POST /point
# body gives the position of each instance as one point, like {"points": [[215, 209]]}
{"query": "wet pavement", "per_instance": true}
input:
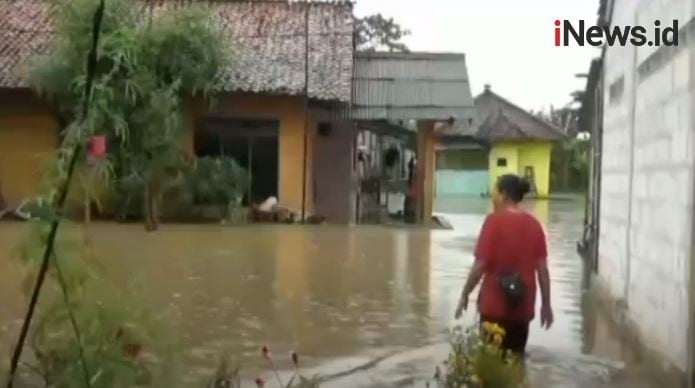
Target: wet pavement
{"points": [[364, 306]]}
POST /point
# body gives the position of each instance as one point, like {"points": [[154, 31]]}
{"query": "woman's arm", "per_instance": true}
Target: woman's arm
{"points": [[547, 317], [544, 280], [474, 277], [483, 252]]}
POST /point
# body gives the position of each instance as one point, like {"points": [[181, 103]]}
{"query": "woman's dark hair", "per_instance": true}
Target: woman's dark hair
{"points": [[513, 186]]}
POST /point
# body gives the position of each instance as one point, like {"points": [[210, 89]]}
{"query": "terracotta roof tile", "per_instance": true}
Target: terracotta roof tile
{"points": [[503, 120], [24, 32], [268, 39]]}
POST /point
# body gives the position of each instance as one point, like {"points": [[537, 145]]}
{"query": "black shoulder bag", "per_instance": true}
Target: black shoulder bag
{"points": [[513, 288]]}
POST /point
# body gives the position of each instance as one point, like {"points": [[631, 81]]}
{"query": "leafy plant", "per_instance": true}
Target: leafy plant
{"points": [[570, 165], [226, 377], [218, 181], [477, 360], [85, 317], [90, 332], [145, 69], [376, 32]]}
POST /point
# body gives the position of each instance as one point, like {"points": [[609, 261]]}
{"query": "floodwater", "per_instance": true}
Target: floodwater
{"points": [[363, 306]]}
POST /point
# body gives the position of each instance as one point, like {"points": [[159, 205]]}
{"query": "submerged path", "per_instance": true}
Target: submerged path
{"points": [[364, 306]]}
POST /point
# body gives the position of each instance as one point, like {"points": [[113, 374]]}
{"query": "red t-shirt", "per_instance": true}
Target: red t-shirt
{"points": [[509, 241]]}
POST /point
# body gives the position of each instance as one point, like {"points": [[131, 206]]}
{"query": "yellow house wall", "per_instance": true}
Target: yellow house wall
{"points": [[28, 141], [520, 155], [289, 111], [537, 155], [507, 151]]}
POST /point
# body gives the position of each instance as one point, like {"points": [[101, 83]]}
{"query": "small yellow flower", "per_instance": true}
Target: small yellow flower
{"points": [[497, 329]]}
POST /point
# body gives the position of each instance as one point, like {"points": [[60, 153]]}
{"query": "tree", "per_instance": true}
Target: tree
{"points": [[565, 118], [145, 69], [375, 32], [570, 158]]}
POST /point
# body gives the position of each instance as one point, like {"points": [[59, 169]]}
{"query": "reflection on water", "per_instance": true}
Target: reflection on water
{"points": [[340, 296]]}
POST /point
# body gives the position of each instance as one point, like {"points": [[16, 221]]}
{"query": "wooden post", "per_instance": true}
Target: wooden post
{"points": [[3, 202], [424, 176]]}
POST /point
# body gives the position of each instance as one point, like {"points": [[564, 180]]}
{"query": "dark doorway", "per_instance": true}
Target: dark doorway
{"points": [[252, 143], [265, 164]]}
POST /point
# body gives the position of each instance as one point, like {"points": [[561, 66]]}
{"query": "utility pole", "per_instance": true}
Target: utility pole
{"points": [[307, 6]]}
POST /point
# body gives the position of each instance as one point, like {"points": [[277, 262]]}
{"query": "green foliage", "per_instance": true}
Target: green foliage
{"points": [[145, 69], [96, 179], [128, 198], [375, 32], [570, 165], [570, 158], [86, 324], [121, 342], [477, 360], [218, 181]]}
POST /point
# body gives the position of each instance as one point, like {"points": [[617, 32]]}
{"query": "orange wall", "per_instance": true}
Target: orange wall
{"points": [[289, 111], [28, 138], [28, 141]]}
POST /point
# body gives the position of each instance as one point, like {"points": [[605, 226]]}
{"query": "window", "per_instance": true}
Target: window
{"points": [[501, 162], [615, 91], [324, 129], [253, 143]]}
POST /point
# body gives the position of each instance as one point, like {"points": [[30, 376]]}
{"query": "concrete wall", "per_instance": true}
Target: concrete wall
{"points": [[647, 180], [462, 172], [462, 182], [519, 155], [462, 159], [335, 174]]}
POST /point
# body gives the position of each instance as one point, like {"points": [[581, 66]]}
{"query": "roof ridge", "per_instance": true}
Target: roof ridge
{"points": [[501, 116], [291, 2], [544, 122]]}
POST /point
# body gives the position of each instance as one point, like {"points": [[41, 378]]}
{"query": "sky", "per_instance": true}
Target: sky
{"points": [[509, 44]]}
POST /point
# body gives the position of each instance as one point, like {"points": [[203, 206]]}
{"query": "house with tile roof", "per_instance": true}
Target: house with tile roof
{"points": [[261, 118], [520, 143], [297, 99]]}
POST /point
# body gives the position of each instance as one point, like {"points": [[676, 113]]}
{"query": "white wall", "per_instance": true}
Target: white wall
{"points": [[647, 181]]}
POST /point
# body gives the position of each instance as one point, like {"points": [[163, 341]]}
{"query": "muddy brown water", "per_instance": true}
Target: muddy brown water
{"points": [[365, 306]]}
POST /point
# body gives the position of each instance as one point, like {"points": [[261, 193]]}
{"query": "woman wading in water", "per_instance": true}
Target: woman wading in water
{"points": [[511, 252]]}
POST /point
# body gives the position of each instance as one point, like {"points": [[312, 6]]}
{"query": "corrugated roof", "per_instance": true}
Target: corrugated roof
{"points": [[410, 86], [503, 120], [269, 40]]}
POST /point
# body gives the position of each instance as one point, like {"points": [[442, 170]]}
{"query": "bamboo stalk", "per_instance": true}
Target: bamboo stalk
{"points": [[60, 203]]}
